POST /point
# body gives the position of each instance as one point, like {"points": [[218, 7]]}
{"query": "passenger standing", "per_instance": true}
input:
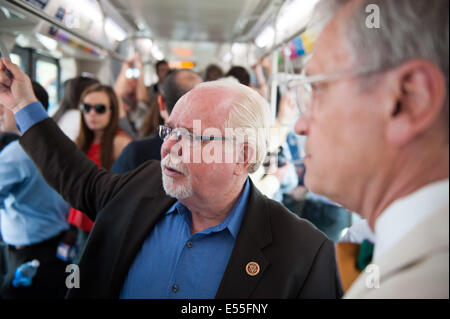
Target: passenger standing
{"points": [[100, 139], [240, 74], [68, 115], [213, 72], [375, 110], [162, 71], [134, 99], [33, 219]]}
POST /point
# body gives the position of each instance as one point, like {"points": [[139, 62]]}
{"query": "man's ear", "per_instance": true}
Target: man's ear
{"points": [[161, 103], [162, 108], [247, 156], [419, 102]]}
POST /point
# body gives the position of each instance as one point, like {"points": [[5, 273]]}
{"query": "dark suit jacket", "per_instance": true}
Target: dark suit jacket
{"points": [[138, 152], [296, 260]]}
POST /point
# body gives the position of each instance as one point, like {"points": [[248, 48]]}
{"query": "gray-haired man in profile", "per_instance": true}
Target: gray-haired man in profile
{"points": [[375, 111]]}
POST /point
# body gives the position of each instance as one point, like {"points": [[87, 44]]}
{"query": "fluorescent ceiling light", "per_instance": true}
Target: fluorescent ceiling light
{"points": [[228, 57], [49, 43], [265, 38], [141, 26], [146, 44], [23, 41], [238, 48], [89, 8], [157, 53], [5, 12], [114, 30], [294, 15]]}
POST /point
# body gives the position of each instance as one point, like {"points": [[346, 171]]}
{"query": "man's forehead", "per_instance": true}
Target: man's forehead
{"points": [[331, 51], [211, 106]]}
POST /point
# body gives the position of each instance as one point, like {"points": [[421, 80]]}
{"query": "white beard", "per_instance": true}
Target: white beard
{"points": [[177, 191], [182, 191]]}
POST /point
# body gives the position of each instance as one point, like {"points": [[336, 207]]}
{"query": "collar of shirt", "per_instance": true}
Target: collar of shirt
{"points": [[358, 232], [405, 214], [233, 220]]}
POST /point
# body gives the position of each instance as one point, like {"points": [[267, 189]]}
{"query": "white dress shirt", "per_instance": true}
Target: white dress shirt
{"points": [[70, 123], [406, 213], [358, 232]]}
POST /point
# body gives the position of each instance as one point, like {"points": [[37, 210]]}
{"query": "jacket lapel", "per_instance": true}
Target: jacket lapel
{"points": [[426, 238], [429, 237], [254, 235]]}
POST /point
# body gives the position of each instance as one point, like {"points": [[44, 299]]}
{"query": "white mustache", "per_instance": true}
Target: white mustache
{"points": [[173, 164]]}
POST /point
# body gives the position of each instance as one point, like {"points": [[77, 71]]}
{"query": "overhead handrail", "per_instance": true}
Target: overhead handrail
{"points": [[282, 43], [3, 50], [24, 6]]}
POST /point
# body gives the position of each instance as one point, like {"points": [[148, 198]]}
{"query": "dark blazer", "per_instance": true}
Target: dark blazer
{"points": [[138, 152], [296, 260]]}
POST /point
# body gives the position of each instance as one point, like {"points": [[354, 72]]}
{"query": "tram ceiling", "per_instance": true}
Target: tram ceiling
{"points": [[203, 27], [194, 20]]}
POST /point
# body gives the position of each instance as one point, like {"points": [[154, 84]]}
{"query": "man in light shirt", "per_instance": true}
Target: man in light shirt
{"points": [[375, 112], [33, 219]]}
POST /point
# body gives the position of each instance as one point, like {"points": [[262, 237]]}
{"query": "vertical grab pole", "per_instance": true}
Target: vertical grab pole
{"points": [[4, 53], [274, 86]]}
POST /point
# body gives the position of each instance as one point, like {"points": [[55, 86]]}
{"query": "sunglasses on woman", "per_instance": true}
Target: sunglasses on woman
{"points": [[98, 108]]}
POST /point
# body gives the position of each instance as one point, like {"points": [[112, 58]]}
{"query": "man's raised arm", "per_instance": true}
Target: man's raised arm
{"points": [[59, 160]]}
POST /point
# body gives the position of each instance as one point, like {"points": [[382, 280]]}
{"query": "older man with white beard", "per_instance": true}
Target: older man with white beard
{"points": [[219, 237]]}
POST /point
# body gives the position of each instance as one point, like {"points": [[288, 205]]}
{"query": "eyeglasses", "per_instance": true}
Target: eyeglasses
{"points": [[305, 87], [98, 108], [183, 134]]}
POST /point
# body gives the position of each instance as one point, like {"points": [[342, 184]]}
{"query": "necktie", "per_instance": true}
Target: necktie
{"points": [[352, 259]]}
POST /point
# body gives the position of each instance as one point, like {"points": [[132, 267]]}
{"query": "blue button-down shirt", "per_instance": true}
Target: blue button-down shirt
{"points": [[31, 211], [173, 263], [30, 115]]}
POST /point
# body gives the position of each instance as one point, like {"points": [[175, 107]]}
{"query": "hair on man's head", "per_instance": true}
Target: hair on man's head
{"points": [[41, 94], [172, 89]]}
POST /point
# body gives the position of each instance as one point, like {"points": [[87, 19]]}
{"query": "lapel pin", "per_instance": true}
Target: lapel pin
{"points": [[252, 268]]}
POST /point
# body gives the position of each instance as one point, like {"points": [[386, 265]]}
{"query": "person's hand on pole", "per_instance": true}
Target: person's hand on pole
{"points": [[141, 90], [16, 91], [121, 86]]}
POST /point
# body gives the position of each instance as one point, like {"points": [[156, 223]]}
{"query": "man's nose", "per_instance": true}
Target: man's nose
{"points": [[171, 145], [302, 126]]}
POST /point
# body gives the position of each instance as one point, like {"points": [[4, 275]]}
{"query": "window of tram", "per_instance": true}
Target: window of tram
{"points": [[47, 76]]}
